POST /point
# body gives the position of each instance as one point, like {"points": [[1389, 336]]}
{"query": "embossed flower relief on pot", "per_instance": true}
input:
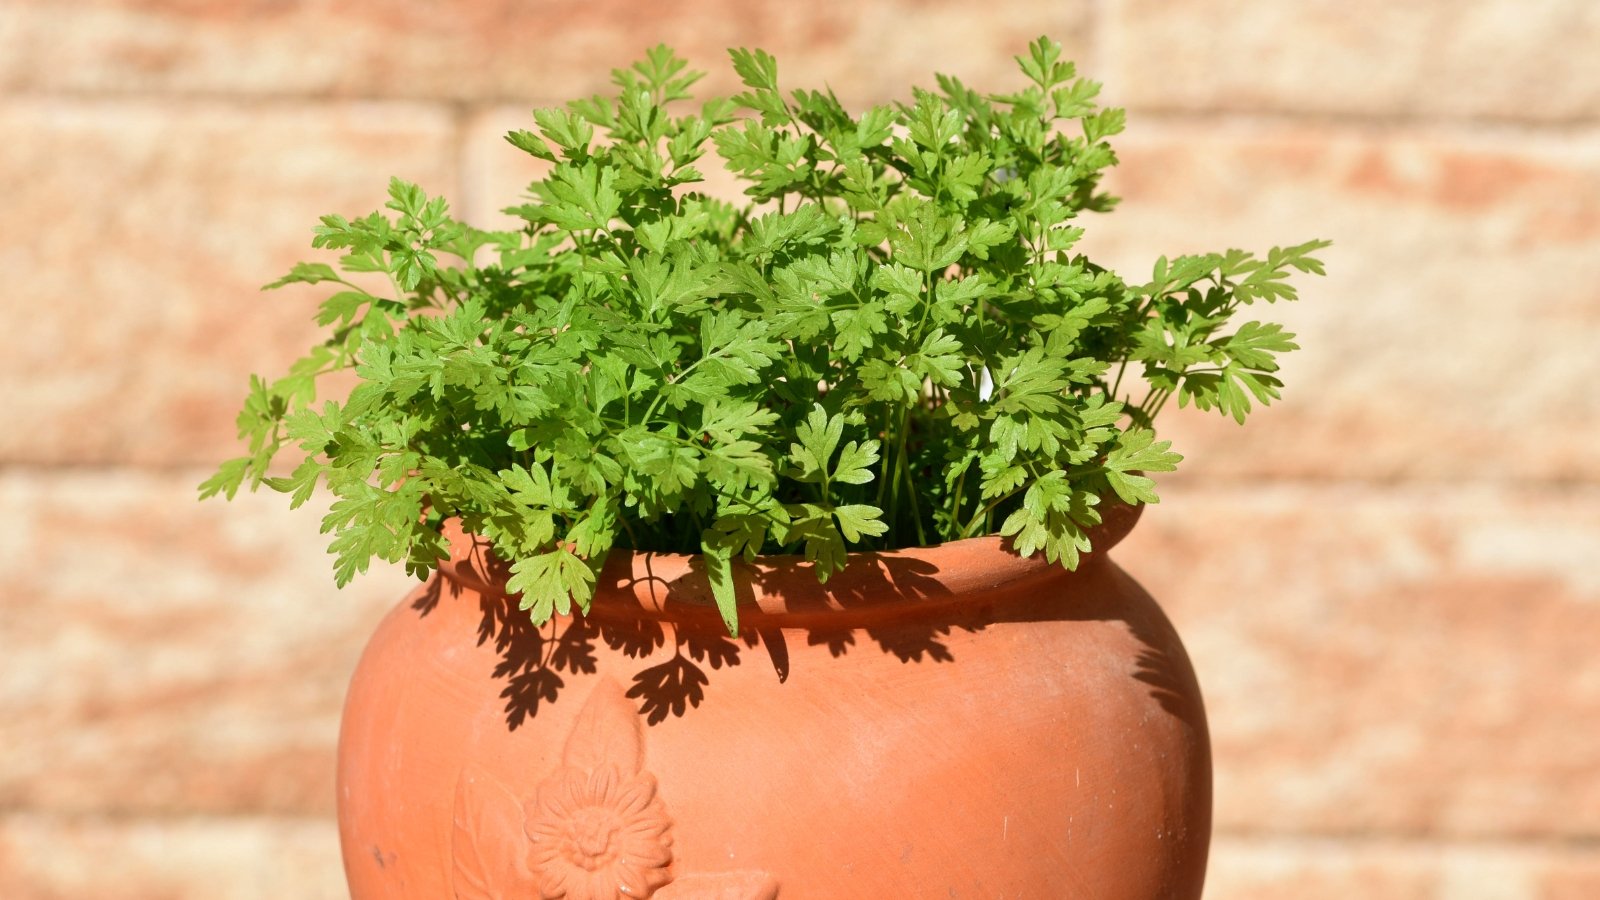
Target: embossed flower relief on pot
{"points": [[599, 834], [595, 829]]}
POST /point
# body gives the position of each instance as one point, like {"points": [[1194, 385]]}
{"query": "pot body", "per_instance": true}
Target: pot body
{"points": [[1018, 731]]}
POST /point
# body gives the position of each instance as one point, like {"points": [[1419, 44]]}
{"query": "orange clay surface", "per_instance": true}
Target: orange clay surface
{"points": [[951, 721]]}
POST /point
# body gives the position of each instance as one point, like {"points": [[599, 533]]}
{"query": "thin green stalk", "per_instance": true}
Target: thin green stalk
{"points": [[885, 462], [916, 513], [955, 507], [983, 514], [1117, 385], [899, 470], [1155, 401]]}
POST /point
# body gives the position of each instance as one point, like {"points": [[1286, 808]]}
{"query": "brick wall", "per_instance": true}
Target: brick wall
{"points": [[1397, 635]]}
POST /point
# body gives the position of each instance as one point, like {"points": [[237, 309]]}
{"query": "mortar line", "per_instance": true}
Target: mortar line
{"points": [[1103, 41], [1410, 840], [244, 98], [1463, 128], [126, 816]]}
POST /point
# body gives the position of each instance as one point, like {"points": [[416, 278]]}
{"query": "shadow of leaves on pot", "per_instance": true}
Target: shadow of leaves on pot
{"points": [[533, 658], [897, 605]]}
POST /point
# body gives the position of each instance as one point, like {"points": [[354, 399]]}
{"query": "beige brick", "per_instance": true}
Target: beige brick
{"points": [[167, 656], [1571, 880], [1410, 660], [56, 858], [495, 174], [136, 239], [1454, 334], [1501, 59], [487, 49], [1270, 868]]}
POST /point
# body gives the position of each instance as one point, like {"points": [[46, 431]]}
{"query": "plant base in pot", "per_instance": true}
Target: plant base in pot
{"points": [[948, 721]]}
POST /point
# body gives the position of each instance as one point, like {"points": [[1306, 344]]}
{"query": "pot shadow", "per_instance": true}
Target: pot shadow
{"points": [[843, 615]]}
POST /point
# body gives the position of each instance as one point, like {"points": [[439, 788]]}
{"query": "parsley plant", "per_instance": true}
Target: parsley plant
{"points": [[891, 343]]}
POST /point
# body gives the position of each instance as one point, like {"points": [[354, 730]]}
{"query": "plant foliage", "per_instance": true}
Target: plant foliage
{"points": [[892, 342]]}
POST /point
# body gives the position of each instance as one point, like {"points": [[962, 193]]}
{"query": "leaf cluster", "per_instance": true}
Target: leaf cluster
{"points": [[890, 342]]}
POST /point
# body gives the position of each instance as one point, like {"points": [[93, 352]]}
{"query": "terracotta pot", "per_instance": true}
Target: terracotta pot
{"points": [[953, 721]]}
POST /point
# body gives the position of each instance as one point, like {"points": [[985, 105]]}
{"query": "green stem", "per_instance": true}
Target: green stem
{"points": [[633, 540], [955, 506], [1155, 401], [899, 470], [916, 512], [885, 461], [983, 514], [671, 379]]}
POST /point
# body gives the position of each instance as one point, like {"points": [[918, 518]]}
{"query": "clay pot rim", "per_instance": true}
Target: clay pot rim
{"points": [[783, 588]]}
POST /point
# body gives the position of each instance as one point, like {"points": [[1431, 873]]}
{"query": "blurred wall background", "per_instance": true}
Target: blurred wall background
{"points": [[1389, 584]]}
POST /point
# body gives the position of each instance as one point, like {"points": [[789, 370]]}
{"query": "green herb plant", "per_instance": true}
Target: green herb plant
{"points": [[891, 343]]}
